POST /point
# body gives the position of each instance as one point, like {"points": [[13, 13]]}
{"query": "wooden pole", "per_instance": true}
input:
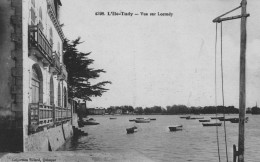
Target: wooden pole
{"points": [[242, 88], [234, 153]]}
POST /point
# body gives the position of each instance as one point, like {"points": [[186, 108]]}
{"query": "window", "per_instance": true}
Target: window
{"points": [[36, 84], [51, 36], [59, 96], [51, 91], [58, 49], [40, 13], [33, 16], [65, 97]]}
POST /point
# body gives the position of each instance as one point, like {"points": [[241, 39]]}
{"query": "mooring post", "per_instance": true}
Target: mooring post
{"points": [[234, 153], [242, 87]]}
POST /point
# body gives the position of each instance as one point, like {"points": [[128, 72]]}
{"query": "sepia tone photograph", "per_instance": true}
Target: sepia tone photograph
{"points": [[129, 80]]}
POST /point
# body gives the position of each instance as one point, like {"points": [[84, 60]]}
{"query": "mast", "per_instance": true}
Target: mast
{"points": [[242, 86], [242, 81]]}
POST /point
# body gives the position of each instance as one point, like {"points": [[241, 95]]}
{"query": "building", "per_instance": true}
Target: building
{"points": [[96, 111], [34, 109]]}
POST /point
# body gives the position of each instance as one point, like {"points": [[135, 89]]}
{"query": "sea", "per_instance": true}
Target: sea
{"points": [[154, 140]]}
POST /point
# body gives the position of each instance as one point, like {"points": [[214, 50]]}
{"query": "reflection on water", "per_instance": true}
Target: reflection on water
{"points": [[154, 140]]}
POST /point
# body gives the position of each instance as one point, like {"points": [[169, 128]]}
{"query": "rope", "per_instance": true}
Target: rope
{"points": [[216, 40], [222, 80]]}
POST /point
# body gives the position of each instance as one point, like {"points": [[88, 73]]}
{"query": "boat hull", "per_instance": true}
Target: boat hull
{"points": [[142, 121], [211, 124], [175, 128]]}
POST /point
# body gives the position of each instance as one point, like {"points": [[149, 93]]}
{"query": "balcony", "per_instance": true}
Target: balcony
{"points": [[39, 46], [42, 115], [55, 66], [63, 74]]}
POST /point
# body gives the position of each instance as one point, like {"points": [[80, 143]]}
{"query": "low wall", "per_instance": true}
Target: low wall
{"points": [[49, 139]]}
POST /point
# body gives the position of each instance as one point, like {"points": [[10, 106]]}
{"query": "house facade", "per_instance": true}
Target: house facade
{"points": [[33, 79], [96, 111]]}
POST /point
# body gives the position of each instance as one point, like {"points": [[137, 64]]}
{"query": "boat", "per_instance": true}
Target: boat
{"points": [[205, 120], [188, 117], [131, 120], [131, 130], [152, 118], [225, 119], [139, 118], [90, 122], [112, 118], [211, 124], [216, 117], [236, 120], [197, 118], [184, 117], [142, 121], [175, 128]]}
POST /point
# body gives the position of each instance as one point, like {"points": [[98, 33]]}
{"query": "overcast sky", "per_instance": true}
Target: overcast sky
{"points": [[163, 60]]}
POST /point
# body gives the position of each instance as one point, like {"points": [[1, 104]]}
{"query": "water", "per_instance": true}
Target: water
{"points": [[154, 140]]}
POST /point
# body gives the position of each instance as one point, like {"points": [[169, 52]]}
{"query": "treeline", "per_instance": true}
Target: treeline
{"points": [[171, 110]]}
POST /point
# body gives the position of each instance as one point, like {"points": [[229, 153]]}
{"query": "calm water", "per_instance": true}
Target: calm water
{"points": [[154, 140]]}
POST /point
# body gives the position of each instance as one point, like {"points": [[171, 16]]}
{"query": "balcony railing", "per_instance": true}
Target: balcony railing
{"points": [[39, 41], [41, 115], [56, 65]]}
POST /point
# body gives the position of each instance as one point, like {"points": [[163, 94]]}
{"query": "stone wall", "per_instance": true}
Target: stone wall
{"points": [[49, 139], [11, 100]]}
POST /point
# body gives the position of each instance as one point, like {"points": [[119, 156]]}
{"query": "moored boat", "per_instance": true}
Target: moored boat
{"points": [[131, 120], [112, 118], [236, 120], [131, 130], [142, 121], [175, 128], [226, 119], [152, 118], [183, 117], [216, 117], [197, 118], [90, 122], [205, 120], [211, 124]]}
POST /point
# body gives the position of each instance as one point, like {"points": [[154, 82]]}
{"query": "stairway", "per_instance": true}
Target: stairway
{"points": [[78, 132]]}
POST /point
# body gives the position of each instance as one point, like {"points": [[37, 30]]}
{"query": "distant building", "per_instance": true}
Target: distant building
{"points": [[96, 111], [33, 77]]}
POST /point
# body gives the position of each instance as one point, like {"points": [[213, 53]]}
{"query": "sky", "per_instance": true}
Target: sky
{"points": [[165, 60]]}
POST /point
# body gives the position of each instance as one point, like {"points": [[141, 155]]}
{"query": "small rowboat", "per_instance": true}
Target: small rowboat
{"points": [[175, 128], [131, 130], [236, 120], [112, 118], [204, 120], [211, 124], [142, 121], [216, 117], [90, 121], [139, 118], [197, 118], [184, 117], [131, 120], [152, 118]]}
